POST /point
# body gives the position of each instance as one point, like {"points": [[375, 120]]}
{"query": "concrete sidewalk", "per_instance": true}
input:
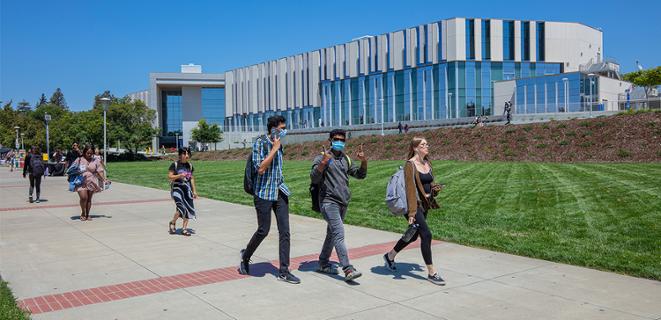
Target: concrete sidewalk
{"points": [[124, 265]]}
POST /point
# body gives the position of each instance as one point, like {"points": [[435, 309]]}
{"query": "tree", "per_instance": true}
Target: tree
{"points": [[58, 99], [205, 133], [42, 101], [648, 79], [131, 122]]}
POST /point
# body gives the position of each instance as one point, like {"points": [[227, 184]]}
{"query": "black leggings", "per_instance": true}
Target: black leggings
{"points": [[35, 182], [423, 232]]}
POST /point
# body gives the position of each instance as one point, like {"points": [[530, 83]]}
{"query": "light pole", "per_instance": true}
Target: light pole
{"points": [[591, 78], [456, 115], [47, 119], [105, 101], [22, 144], [176, 137], [17, 128], [565, 87], [381, 100]]}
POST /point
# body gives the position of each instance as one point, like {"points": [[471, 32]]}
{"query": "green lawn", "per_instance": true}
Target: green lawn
{"points": [[603, 216], [8, 307]]}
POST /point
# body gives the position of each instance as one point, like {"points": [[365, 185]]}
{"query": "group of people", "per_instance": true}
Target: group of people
{"points": [[86, 163], [329, 176]]}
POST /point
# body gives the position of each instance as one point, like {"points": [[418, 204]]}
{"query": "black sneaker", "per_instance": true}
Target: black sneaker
{"points": [[37, 201], [30, 199], [350, 273], [436, 279], [328, 269], [288, 277], [390, 264], [244, 265]]}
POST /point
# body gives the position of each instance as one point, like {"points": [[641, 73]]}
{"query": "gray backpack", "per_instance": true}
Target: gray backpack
{"points": [[396, 193]]}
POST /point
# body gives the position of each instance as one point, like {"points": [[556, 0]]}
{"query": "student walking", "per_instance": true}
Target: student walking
{"points": [[183, 191], [330, 173], [270, 194], [35, 168], [94, 179], [419, 184]]}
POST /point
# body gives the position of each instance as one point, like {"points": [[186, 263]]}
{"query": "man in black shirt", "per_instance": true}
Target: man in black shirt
{"points": [[73, 154]]}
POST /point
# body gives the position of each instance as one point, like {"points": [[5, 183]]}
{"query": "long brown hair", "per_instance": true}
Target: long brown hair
{"points": [[415, 142]]}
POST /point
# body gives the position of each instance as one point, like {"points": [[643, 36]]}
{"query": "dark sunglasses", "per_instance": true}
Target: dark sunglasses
{"points": [[339, 139]]}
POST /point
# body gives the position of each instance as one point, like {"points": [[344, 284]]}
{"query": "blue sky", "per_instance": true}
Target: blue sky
{"points": [[86, 47]]}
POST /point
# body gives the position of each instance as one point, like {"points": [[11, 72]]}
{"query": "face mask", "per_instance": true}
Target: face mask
{"points": [[281, 132], [338, 145]]}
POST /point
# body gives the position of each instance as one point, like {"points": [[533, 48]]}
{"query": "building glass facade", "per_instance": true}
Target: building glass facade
{"points": [[171, 107], [508, 40], [568, 92], [213, 106]]}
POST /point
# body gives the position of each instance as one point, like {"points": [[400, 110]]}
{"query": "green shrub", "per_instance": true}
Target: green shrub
{"points": [[570, 134], [527, 128], [586, 144], [587, 133], [561, 126], [538, 137], [584, 124], [622, 153], [564, 142], [541, 146]]}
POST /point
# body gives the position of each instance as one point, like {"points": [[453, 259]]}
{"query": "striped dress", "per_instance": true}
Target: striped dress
{"points": [[182, 191]]}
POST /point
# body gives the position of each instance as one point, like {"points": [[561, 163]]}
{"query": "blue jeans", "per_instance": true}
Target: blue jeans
{"points": [[334, 215]]}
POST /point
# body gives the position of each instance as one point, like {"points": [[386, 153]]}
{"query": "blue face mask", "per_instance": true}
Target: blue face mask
{"points": [[281, 132], [338, 145]]}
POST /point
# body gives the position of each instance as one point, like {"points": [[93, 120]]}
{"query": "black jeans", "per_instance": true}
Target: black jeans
{"points": [[35, 183], [281, 210], [423, 232]]}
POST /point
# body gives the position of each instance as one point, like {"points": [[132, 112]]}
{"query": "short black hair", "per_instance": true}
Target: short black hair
{"points": [[183, 150], [336, 132], [274, 121]]}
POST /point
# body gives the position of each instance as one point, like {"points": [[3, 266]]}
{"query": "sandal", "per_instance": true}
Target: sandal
{"points": [[185, 232], [82, 218], [172, 228]]}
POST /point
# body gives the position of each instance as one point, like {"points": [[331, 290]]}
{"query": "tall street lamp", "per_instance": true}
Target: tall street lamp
{"points": [[17, 128], [566, 88], [456, 114], [47, 119], [381, 100], [105, 101], [591, 78], [22, 144]]}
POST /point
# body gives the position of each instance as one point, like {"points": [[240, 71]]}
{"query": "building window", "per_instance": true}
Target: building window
{"points": [[171, 107], [541, 43], [213, 106], [486, 39], [508, 40], [470, 39], [525, 40]]}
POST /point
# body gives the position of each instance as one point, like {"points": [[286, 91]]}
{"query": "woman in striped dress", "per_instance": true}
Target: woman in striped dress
{"points": [[183, 191]]}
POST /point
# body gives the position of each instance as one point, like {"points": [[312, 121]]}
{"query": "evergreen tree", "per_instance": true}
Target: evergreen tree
{"points": [[58, 99]]}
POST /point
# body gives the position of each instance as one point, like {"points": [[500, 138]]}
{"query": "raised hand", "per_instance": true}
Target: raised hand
{"points": [[276, 142], [361, 153]]}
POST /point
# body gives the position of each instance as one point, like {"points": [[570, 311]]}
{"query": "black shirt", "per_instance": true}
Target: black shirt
{"points": [[71, 157], [426, 179], [182, 168]]}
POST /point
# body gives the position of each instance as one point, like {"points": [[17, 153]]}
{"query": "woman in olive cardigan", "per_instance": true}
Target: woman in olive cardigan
{"points": [[420, 192]]}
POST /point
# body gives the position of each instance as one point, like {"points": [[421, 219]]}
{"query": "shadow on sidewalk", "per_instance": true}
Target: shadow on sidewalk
{"points": [[311, 266], [263, 268], [92, 216], [404, 270]]}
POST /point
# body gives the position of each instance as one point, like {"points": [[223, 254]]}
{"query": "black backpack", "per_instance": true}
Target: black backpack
{"points": [[37, 166], [250, 173], [315, 188]]}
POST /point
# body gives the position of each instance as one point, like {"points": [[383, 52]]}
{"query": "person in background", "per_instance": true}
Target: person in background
{"points": [[94, 180], [183, 191], [72, 155], [35, 168]]}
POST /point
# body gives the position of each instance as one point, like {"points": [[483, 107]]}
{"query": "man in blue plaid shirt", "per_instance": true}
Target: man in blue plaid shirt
{"points": [[270, 193]]}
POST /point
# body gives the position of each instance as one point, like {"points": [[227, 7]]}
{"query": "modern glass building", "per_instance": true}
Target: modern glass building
{"points": [[440, 70]]}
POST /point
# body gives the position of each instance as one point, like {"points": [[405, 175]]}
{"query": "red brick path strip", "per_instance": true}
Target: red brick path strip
{"points": [[100, 203], [72, 299]]}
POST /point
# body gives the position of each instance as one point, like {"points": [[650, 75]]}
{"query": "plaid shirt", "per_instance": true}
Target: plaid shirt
{"points": [[267, 185]]}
